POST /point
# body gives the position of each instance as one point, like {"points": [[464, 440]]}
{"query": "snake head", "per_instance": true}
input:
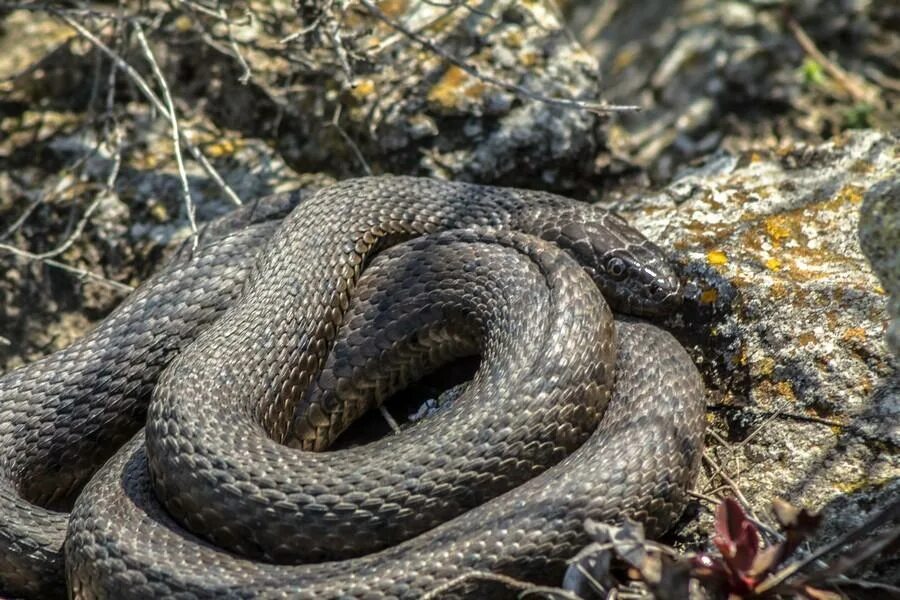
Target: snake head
{"points": [[632, 272]]}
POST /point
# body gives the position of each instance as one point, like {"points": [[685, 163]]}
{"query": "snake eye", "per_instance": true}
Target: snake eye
{"points": [[616, 268]]}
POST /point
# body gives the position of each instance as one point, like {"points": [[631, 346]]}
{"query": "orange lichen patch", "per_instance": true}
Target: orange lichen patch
{"points": [[778, 290], [528, 58], [709, 295], [862, 167], [452, 85], [773, 264], [514, 38], [785, 390], [854, 334], [776, 389], [806, 338], [780, 228], [850, 193], [222, 148], [363, 89], [393, 8], [716, 257], [764, 366]]}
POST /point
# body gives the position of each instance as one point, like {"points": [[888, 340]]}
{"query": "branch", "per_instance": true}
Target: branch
{"points": [[176, 135], [891, 513], [145, 89], [80, 272]]}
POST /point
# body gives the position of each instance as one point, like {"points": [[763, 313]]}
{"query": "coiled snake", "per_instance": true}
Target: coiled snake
{"points": [[264, 343]]}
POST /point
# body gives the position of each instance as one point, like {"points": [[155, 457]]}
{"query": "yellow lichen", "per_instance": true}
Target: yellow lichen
{"points": [[709, 295], [222, 148], [850, 193], [764, 366], [514, 38], [529, 58], [716, 257], [773, 264], [393, 8], [865, 484], [778, 228], [183, 24], [159, 212], [778, 290], [806, 338], [363, 89], [854, 334], [862, 167], [454, 83]]}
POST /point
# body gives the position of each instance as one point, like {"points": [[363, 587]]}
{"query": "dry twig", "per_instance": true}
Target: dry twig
{"points": [[176, 135], [855, 88], [81, 273], [148, 93], [525, 589]]}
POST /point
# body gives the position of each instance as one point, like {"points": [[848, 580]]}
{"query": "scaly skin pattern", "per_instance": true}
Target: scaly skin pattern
{"points": [[334, 313]]}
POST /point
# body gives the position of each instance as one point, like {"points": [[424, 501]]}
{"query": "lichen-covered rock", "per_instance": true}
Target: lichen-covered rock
{"points": [[879, 235], [350, 92], [788, 320], [401, 105]]}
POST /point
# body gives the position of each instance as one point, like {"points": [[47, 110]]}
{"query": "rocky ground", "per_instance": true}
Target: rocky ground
{"points": [[765, 127]]}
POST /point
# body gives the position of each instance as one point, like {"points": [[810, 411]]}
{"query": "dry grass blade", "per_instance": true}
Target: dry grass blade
{"points": [[176, 134]]}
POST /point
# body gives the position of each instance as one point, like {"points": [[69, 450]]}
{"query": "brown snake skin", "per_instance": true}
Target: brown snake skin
{"points": [[246, 354]]}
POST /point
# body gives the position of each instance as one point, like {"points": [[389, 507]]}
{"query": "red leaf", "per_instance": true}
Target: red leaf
{"points": [[736, 537]]}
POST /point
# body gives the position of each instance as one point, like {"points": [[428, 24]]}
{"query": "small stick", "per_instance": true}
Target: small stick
{"points": [[389, 418], [75, 270], [144, 87], [359, 155], [892, 512], [852, 87], [176, 135], [523, 586]]}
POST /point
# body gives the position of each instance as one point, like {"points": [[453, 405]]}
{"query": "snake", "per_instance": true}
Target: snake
{"points": [[180, 449]]}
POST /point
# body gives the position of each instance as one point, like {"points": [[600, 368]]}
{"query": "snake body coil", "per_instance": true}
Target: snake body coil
{"points": [[277, 335]]}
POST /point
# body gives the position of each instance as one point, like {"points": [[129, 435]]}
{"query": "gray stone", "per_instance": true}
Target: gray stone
{"points": [[879, 235], [787, 319]]}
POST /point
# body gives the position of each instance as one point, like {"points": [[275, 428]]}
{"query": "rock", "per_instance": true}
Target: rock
{"points": [[787, 320], [879, 235], [734, 75], [370, 97], [390, 103]]}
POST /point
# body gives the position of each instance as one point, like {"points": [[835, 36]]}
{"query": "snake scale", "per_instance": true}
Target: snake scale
{"points": [[184, 432]]}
